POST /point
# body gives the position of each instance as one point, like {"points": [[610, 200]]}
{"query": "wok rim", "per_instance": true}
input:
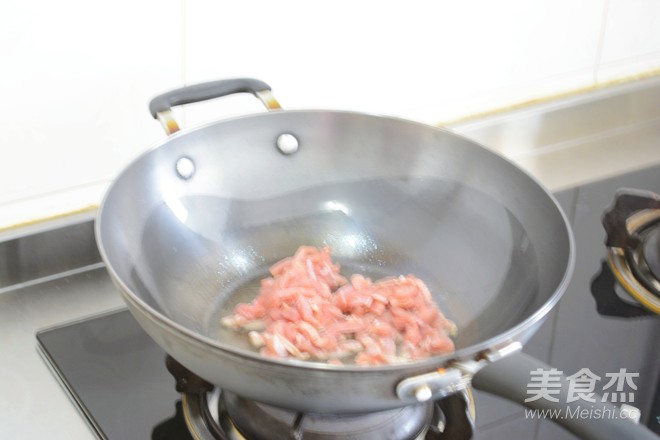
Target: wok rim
{"points": [[464, 353]]}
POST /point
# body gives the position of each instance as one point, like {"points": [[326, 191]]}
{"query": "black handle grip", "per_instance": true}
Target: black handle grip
{"points": [[205, 91], [510, 377]]}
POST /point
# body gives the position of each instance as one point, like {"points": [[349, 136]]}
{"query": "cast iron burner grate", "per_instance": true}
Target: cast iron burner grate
{"points": [[632, 224]]}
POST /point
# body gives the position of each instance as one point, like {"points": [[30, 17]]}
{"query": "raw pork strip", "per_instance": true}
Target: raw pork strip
{"points": [[307, 310]]}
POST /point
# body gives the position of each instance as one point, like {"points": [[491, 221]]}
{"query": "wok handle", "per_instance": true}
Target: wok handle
{"points": [[160, 107], [510, 378]]}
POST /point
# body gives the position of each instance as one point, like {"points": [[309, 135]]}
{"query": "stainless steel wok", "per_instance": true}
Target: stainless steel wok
{"points": [[189, 227]]}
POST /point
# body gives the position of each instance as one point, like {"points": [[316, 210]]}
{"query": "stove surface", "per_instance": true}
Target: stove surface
{"points": [[116, 375]]}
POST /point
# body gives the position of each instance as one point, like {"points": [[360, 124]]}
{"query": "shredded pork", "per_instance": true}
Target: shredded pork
{"points": [[307, 310]]}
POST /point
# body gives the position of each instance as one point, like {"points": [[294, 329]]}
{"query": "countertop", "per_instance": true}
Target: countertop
{"points": [[34, 405]]}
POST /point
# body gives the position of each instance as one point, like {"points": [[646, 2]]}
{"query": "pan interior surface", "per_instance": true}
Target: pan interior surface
{"points": [[489, 242], [473, 254]]}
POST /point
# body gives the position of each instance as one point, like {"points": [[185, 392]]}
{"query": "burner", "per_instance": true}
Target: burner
{"points": [[649, 258], [632, 224], [239, 418], [264, 422]]}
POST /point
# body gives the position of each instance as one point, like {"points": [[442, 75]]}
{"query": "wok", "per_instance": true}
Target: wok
{"points": [[190, 226]]}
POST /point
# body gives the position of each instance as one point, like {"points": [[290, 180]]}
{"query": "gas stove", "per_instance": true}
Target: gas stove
{"points": [[127, 387]]}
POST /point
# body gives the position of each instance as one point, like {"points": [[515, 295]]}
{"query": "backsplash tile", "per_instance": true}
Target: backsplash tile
{"points": [[76, 80], [631, 30], [631, 42], [77, 77], [425, 61]]}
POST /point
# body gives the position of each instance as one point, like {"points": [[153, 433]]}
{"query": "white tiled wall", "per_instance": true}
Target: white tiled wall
{"points": [[77, 76], [419, 59], [631, 38]]}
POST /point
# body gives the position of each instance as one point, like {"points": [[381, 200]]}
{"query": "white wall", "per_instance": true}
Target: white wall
{"points": [[77, 75]]}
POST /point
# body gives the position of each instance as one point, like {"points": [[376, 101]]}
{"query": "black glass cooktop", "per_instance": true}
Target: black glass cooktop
{"points": [[123, 396]]}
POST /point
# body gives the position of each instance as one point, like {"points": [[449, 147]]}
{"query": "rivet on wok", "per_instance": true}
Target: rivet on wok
{"points": [[185, 167], [423, 393], [287, 143]]}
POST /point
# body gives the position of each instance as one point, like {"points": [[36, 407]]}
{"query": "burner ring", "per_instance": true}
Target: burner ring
{"points": [[449, 418], [630, 265], [260, 421], [646, 258], [236, 417], [621, 270]]}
